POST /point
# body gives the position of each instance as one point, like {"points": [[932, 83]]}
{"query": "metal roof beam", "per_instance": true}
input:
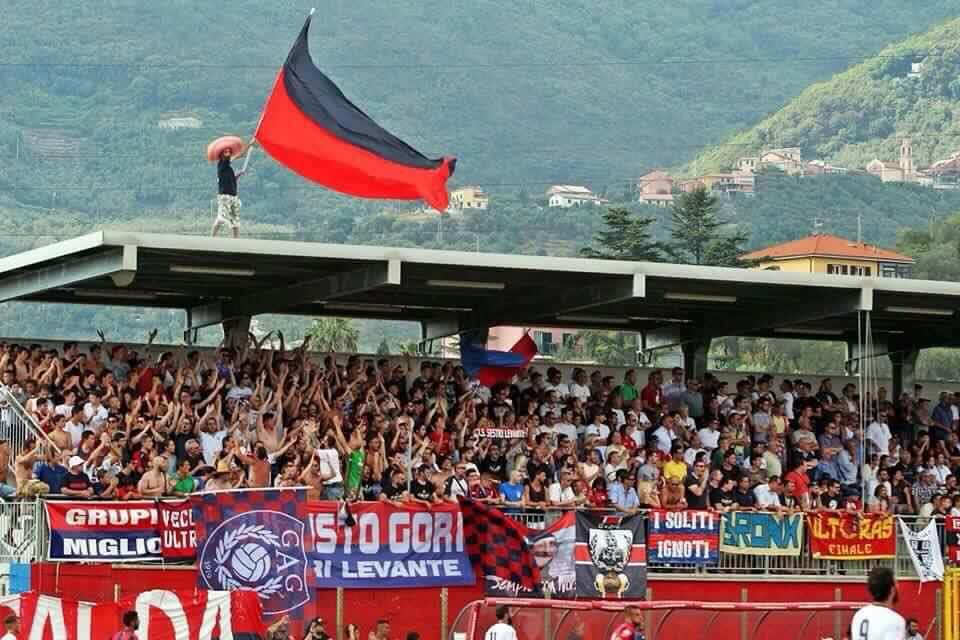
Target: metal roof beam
{"points": [[280, 299], [548, 306], [840, 303], [119, 263]]}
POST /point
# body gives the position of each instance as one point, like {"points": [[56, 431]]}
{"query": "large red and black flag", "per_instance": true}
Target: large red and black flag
{"points": [[311, 128]]}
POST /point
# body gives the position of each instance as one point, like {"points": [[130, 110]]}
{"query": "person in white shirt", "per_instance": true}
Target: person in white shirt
{"points": [[503, 629], [580, 387], [94, 412], [878, 620], [710, 435], [561, 493], [75, 426], [211, 439], [665, 434], [672, 392], [599, 428], [69, 399], [878, 433], [788, 397], [11, 625], [690, 455], [553, 383], [565, 426], [768, 495]]}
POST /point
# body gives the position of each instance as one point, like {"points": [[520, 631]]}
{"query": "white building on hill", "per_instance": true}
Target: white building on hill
{"points": [[566, 196]]}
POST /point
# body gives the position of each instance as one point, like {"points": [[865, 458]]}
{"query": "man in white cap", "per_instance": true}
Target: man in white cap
{"points": [[77, 484]]}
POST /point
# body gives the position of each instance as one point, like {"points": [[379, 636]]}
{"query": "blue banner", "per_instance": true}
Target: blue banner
{"points": [[683, 537], [761, 534], [254, 540], [388, 546]]}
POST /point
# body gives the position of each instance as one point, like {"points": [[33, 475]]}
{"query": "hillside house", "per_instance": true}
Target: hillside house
{"points": [[787, 160], [566, 196], [825, 253], [175, 123], [945, 174], [470, 197], [748, 164], [722, 183], [656, 188], [821, 168]]}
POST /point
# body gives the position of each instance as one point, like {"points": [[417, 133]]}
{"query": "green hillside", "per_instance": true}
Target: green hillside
{"points": [[862, 113], [524, 93]]}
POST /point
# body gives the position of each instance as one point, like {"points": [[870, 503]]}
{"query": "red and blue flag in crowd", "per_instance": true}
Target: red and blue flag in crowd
{"points": [[254, 539], [309, 126], [491, 367]]}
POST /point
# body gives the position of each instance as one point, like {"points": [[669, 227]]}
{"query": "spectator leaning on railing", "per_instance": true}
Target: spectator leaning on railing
{"points": [[121, 425]]}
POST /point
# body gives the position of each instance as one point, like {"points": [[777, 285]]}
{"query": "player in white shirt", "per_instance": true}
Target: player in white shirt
{"points": [[878, 621], [503, 630], [11, 626]]}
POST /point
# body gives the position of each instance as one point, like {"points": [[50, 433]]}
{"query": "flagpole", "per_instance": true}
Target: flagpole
{"points": [[246, 160]]}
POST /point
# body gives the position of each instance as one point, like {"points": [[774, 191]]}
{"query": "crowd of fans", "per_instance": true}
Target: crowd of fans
{"points": [[121, 424]]}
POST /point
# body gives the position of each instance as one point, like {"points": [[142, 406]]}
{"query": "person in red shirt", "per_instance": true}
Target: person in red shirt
{"points": [[632, 627], [650, 395], [801, 484]]}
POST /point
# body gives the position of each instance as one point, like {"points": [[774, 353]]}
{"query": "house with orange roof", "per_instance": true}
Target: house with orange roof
{"points": [[825, 253], [656, 188]]}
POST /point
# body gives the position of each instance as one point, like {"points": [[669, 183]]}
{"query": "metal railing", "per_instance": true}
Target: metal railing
{"points": [[17, 426], [23, 531], [758, 566], [24, 536]]}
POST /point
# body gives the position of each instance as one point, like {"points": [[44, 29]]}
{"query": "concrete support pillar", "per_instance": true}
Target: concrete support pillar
{"points": [[904, 365], [235, 332], [695, 358]]}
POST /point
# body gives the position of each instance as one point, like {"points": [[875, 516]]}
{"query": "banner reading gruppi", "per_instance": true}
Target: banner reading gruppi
{"points": [[84, 531], [761, 534]]}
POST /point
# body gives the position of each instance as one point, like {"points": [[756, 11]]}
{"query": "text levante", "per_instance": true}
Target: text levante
{"points": [[362, 569]]}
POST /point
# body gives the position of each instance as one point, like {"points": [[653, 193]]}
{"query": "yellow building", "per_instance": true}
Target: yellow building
{"points": [[469, 198], [825, 253]]}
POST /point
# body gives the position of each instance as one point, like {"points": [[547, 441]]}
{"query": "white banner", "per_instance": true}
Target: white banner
{"points": [[925, 551]]}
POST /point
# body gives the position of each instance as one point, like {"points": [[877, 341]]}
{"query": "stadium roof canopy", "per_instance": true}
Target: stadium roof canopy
{"points": [[218, 279]]}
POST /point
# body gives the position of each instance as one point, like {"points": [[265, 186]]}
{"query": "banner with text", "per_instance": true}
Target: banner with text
{"points": [[683, 537], [85, 531], [406, 545], [953, 539], [178, 535], [164, 615], [843, 535], [761, 534]]}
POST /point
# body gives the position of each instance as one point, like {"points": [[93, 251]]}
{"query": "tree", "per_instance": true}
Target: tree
{"points": [[695, 225], [725, 251], [609, 348], [626, 237], [334, 334]]}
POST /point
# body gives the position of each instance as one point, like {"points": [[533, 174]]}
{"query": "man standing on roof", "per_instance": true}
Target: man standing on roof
{"points": [[228, 204]]}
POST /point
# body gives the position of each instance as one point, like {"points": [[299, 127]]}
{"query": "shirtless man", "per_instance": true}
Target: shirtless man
{"points": [[154, 482], [59, 435]]}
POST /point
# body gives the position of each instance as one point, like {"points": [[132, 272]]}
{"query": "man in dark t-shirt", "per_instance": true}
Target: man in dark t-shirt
{"points": [[76, 483], [421, 488], [228, 204]]}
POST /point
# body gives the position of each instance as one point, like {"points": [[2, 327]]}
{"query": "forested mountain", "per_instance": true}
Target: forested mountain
{"points": [[910, 89], [524, 93]]}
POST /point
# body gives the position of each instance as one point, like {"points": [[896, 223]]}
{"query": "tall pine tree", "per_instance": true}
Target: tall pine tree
{"points": [[695, 225], [626, 236]]}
